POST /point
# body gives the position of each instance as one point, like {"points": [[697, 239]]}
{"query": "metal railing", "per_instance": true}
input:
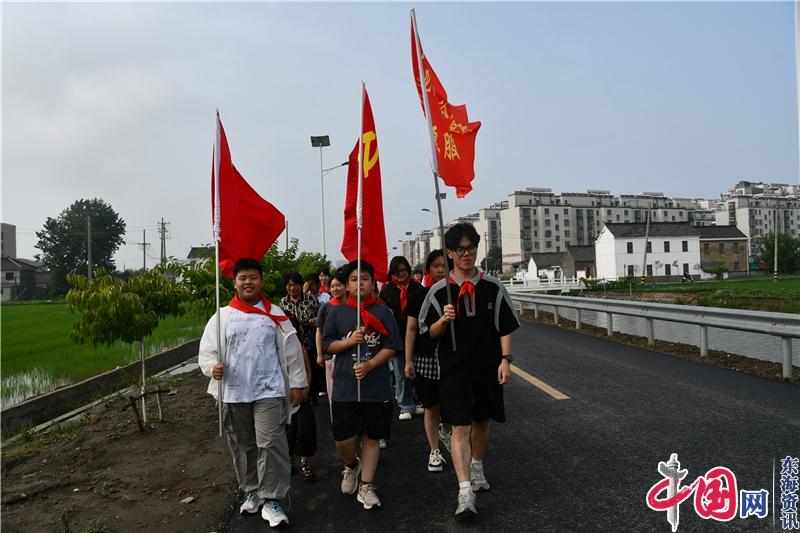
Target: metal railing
{"points": [[783, 325], [535, 284]]}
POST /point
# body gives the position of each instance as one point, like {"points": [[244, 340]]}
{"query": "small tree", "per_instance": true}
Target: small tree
{"points": [[109, 309], [788, 252]]}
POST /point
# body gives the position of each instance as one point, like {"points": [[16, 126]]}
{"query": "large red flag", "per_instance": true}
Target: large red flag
{"points": [[245, 224], [453, 133], [373, 234]]}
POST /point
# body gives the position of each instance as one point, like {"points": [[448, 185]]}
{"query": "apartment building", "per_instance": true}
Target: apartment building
{"points": [[539, 221], [759, 208], [489, 227]]}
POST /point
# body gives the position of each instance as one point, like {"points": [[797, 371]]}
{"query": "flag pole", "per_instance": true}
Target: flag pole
{"points": [[434, 165], [216, 269], [359, 225]]}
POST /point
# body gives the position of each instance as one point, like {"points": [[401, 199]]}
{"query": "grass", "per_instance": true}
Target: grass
{"points": [[756, 287], [38, 354]]}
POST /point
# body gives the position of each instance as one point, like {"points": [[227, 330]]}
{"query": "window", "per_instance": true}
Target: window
{"points": [[548, 233], [536, 245], [706, 248], [547, 222], [630, 270], [566, 211], [566, 222], [630, 247], [558, 248], [666, 246], [558, 238], [617, 218], [608, 212], [546, 211], [556, 227], [736, 248], [668, 270], [548, 244], [566, 233], [686, 268], [649, 247], [625, 212], [736, 265], [673, 218], [556, 216], [722, 248], [535, 233], [649, 270], [9, 276], [685, 246]]}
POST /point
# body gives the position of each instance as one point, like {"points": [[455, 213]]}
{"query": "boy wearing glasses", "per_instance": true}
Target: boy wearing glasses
{"points": [[472, 374]]}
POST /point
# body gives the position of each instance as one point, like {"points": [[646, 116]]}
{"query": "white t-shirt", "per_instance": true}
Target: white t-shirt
{"points": [[323, 298], [252, 369]]}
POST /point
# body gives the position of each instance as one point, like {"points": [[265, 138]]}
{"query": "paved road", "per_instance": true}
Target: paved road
{"points": [[578, 464]]}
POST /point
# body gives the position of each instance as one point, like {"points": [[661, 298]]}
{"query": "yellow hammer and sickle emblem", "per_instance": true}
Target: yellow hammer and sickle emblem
{"points": [[370, 159]]}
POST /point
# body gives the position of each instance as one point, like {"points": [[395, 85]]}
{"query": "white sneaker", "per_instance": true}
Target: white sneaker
{"points": [[405, 415], [252, 503], [445, 438], [435, 461], [466, 504], [419, 410], [350, 478], [273, 513], [477, 478], [367, 496]]}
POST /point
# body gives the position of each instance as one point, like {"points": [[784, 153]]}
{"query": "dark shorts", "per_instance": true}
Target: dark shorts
{"points": [[353, 418], [463, 402], [427, 391]]}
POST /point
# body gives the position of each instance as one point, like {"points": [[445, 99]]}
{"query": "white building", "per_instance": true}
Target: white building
{"points": [[546, 265], [674, 249], [489, 228], [759, 208]]}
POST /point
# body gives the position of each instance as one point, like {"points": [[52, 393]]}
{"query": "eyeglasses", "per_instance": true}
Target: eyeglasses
{"points": [[471, 250]]}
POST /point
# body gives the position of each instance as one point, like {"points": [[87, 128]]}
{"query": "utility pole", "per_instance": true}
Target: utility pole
{"points": [[646, 235], [144, 244], [486, 250], [162, 230], [775, 246], [89, 246], [287, 235]]}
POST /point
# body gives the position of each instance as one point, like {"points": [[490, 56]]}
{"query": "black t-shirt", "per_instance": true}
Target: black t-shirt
{"points": [[478, 327], [424, 345], [390, 294]]}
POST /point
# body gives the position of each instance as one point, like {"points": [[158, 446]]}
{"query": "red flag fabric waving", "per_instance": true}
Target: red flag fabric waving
{"points": [[373, 234], [245, 224], [453, 133]]}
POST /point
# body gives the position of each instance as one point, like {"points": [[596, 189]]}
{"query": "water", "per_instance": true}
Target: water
{"points": [[755, 345], [19, 387]]}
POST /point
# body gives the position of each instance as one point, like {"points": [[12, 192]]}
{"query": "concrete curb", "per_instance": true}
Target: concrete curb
{"points": [[49, 406]]}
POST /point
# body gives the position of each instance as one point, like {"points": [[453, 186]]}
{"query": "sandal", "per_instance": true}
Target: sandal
{"points": [[305, 468]]}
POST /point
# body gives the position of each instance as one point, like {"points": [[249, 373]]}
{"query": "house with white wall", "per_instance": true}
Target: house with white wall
{"points": [[673, 249]]}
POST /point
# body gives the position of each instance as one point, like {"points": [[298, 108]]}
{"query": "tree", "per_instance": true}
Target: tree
{"points": [[494, 259], [63, 240], [788, 252], [109, 309]]}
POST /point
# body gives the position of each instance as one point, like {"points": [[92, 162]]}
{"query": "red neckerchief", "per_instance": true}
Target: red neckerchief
{"points": [[239, 305], [325, 289], [368, 318], [334, 302], [403, 293], [427, 280], [467, 287]]}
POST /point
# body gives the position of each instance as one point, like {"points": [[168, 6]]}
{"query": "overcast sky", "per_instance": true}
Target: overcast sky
{"points": [[117, 101]]}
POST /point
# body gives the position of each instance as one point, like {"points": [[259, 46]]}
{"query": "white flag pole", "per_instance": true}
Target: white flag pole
{"points": [[216, 267], [359, 224], [797, 69], [434, 164]]}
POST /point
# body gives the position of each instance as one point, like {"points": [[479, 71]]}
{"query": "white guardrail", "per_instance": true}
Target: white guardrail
{"points": [[783, 325], [535, 284]]}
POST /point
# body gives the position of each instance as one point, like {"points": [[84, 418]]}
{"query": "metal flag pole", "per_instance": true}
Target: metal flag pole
{"points": [[434, 166], [216, 269], [359, 225]]}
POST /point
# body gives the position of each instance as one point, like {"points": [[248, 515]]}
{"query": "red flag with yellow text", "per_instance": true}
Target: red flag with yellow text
{"points": [[370, 212], [453, 133]]}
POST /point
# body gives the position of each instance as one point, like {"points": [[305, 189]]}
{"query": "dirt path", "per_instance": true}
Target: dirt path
{"points": [[102, 474]]}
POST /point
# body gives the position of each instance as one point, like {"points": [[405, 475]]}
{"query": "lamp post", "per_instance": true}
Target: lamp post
{"points": [[322, 141]]}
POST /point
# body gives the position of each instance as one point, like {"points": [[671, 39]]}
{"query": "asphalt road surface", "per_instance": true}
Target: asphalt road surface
{"points": [[584, 463]]}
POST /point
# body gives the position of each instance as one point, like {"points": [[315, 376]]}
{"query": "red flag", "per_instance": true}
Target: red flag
{"points": [[245, 224], [370, 213], [453, 133]]}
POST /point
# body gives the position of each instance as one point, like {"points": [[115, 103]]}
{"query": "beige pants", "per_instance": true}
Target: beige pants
{"points": [[256, 435]]}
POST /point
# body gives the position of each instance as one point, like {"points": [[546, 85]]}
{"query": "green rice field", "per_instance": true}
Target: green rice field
{"points": [[37, 354]]}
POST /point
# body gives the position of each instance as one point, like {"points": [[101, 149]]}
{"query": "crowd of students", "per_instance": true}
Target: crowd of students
{"points": [[445, 343]]}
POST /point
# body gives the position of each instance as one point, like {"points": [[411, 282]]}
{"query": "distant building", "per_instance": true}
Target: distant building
{"points": [[489, 227], [674, 249], [198, 253], [547, 265], [8, 240], [18, 281], [723, 246], [578, 261], [757, 208]]}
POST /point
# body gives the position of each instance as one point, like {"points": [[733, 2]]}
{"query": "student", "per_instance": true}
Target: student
{"points": [[302, 431], [397, 292], [417, 276], [324, 280], [375, 343], [338, 291], [313, 286], [422, 365], [472, 375], [263, 377], [304, 307]]}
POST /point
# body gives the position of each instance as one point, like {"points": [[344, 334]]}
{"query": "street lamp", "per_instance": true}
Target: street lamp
{"points": [[321, 141]]}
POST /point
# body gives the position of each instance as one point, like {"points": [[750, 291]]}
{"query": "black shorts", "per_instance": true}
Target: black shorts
{"points": [[427, 390], [353, 418], [463, 402]]}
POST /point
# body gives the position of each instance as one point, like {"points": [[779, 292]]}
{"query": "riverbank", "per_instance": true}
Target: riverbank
{"points": [[102, 474]]}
